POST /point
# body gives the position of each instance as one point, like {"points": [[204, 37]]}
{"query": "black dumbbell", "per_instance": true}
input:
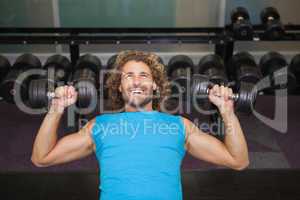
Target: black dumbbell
{"points": [[271, 65], [270, 19], [213, 66], [11, 82], [84, 79], [241, 24], [38, 95], [111, 61], [295, 68], [179, 70], [60, 66], [4, 67], [244, 100], [243, 68]]}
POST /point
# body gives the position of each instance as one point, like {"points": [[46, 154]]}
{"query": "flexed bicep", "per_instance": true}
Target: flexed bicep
{"points": [[206, 147], [69, 148]]}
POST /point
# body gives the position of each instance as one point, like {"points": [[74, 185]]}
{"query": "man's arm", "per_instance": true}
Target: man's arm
{"points": [[47, 150], [233, 152]]}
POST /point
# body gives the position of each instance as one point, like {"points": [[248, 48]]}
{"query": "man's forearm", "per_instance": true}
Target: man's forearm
{"points": [[47, 136], [235, 139]]}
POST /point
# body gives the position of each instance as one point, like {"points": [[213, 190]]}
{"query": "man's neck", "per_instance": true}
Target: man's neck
{"points": [[146, 108]]}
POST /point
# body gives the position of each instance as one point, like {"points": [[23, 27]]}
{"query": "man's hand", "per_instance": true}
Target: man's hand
{"points": [[219, 96], [64, 97]]}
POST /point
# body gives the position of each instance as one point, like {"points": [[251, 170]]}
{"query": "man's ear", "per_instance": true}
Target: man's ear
{"points": [[120, 89], [154, 86]]}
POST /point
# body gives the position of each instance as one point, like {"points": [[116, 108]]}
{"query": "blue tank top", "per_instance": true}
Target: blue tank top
{"points": [[139, 155]]}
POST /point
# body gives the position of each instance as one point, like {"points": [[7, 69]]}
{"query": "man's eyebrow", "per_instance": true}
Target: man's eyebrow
{"points": [[133, 73], [127, 72], [145, 73]]}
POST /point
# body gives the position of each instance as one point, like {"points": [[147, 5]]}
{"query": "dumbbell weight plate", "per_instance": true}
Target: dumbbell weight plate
{"points": [[61, 66], [37, 93], [242, 67], [210, 61], [249, 74], [241, 25], [200, 85], [179, 61], [89, 61], [239, 12], [269, 12], [247, 97], [272, 62], [27, 61], [86, 93], [238, 60], [295, 66], [4, 67], [274, 29], [217, 76], [179, 68], [295, 69], [9, 84], [244, 103], [111, 61]]}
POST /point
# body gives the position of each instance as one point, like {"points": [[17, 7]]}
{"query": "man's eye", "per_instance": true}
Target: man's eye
{"points": [[128, 76]]}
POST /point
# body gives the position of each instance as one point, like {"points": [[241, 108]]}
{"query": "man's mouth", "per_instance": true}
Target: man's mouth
{"points": [[136, 91]]}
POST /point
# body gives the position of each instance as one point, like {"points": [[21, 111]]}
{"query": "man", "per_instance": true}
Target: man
{"points": [[140, 149]]}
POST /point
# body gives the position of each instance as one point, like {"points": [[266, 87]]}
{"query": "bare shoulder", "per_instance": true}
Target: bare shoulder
{"points": [[189, 126], [190, 129], [86, 131]]}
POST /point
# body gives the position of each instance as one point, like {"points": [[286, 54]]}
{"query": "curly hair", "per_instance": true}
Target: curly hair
{"points": [[157, 71]]}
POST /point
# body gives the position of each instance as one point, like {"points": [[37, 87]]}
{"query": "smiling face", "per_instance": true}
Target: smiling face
{"points": [[137, 86]]}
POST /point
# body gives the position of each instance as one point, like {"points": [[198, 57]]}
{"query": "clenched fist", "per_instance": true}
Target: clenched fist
{"points": [[219, 96], [64, 97]]}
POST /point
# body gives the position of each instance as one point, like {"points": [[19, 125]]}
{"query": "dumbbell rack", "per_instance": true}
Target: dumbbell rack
{"points": [[221, 37], [292, 34], [74, 37]]}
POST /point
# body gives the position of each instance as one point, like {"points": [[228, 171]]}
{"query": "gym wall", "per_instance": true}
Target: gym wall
{"points": [[143, 13]]}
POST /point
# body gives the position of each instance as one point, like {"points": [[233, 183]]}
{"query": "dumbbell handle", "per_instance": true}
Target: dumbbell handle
{"points": [[51, 95], [241, 18], [233, 97]]}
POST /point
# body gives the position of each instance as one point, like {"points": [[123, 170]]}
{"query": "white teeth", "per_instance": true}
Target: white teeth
{"points": [[136, 91]]}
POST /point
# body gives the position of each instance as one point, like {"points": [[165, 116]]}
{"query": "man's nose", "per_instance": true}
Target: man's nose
{"points": [[136, 80]]}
